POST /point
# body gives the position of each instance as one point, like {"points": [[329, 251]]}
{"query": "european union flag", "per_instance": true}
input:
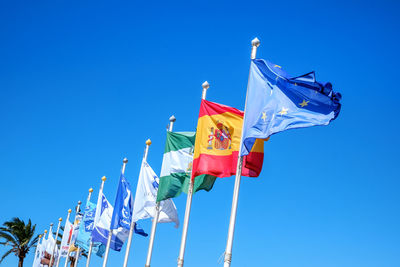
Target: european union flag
{"points": [[278, 102]]}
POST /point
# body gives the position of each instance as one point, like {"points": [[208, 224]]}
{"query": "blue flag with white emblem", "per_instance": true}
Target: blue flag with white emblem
{"points": [[123, 208], [122, 215], [85, 231], [278, 102]]}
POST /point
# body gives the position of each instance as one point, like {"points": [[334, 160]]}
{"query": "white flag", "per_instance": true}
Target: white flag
{"points": [[146, 195], [66, 239], [38, 253], [102, 222]]}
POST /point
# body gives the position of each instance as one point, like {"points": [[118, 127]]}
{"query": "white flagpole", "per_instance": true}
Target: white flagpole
{"points": [[55, 241], [103, 179], [124, 162], [172, 119], [131, 230], [59, 257], [38, 243], [79, 249], [76, 213], [205, 86], [228, 251]]}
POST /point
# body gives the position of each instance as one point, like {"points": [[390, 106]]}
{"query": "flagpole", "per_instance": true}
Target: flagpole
{"points": [[103, 179], [76, 213], [124, 162], [229, 244], [205, 86], [55, 243], [59, 257], [132, 228], [172, 120], [79, 249], [38, 244]]}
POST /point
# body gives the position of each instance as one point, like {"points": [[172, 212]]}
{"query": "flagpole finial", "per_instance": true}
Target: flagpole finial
{"points": [[255, 42], [90, 190], [205, 85], [60, 219], [172, 118], [148, 142], [40, 236], [79, 202], [69, 211], [125, 160], [45, 231], [103, 178], [51, 224]]}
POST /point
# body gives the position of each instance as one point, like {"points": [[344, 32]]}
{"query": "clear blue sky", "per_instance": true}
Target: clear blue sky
{"points": [[85, 83]]}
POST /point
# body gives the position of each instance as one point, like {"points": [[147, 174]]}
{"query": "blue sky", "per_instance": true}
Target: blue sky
{"points": [[84, 84]]}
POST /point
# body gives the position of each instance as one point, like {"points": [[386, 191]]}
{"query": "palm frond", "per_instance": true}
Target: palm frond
{"points": [[6, 254]]}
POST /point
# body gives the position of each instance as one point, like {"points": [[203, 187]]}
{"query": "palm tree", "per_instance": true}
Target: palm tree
{"points": [[19, 236]]}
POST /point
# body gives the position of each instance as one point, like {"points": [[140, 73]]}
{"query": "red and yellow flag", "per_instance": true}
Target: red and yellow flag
{"points": [[218, 140]]}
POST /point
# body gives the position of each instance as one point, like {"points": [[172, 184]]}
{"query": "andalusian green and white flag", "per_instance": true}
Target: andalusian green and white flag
{"points": [[177, 166]]}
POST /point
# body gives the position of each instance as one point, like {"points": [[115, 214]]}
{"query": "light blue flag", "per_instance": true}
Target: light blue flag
{"points": [[102, 223], [85, 231], [277, 102]]}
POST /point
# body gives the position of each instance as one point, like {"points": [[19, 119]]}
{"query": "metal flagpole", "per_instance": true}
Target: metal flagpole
{"points": [[124, 162], [172, 119], [55, 243], [38, 243], [103, 179], [59, 257], [205, 86], [228, 251], [131, 230], [79, 249], [76, 213]]}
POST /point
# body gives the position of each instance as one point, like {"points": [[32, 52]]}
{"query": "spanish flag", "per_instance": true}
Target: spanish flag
{"points": [[216, 150]]}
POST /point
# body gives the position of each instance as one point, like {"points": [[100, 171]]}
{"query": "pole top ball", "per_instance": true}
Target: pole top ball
{"points": [[40, 236], [69, 211], [103, 178], [148, 142], [45, 231], [51, 224], [172, 118], [90, 190], [60, 219], [79, 202], [125, 160], [255, 42], [205, 85]]}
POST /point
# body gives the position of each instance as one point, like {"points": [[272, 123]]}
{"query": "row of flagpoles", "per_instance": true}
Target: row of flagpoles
{"points": [[275, 102]]}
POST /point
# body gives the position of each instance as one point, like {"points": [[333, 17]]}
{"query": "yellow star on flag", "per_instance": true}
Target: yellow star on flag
{"points": [[283, 111], [264, 116], [304, 103]]}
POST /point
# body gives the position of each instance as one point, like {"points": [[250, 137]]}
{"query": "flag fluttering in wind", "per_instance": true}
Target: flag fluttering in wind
{"points": [[84, 237], [102, 223], [278, 102], [122, 214], [38, 254], [145, 198], [177, 166], [217, 144], [66, 239]]}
